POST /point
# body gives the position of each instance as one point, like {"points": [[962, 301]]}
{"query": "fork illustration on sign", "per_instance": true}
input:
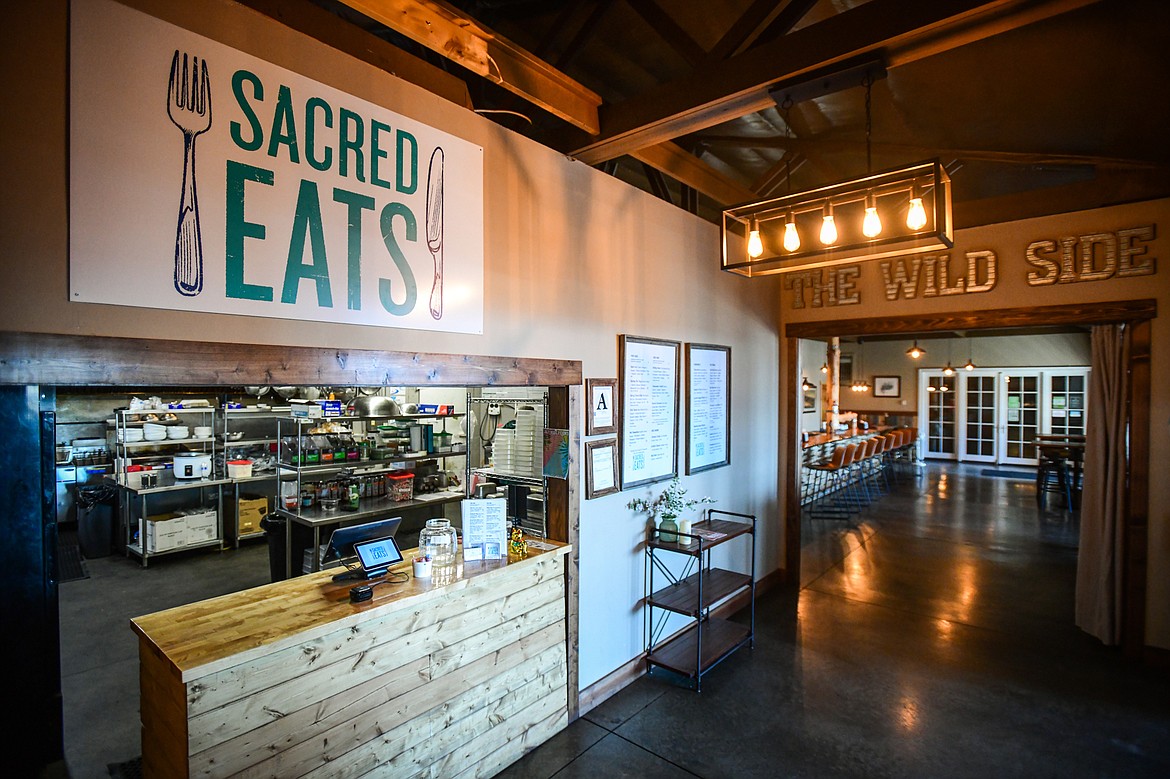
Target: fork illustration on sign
{"points": [[435, 227], [189, 107]]}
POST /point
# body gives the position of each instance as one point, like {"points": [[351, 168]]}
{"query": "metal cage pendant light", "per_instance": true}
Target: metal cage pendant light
{"points": [[891, 213]]}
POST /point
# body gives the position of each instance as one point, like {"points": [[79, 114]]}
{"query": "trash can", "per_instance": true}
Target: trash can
{"points": [[275, 528], [95, 521]]}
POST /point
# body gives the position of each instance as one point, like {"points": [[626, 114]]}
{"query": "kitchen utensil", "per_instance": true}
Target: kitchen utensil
{"points": [[375, 406], [178, 431], [285, 392], [435, 227], [330, 504], [202, 431], [189, 107]]}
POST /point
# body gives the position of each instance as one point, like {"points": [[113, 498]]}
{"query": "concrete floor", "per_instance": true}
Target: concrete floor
{"points": [[930, 637]]}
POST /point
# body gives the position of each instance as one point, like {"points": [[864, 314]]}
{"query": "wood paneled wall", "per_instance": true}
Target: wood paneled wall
{"points": [[457, 684]]}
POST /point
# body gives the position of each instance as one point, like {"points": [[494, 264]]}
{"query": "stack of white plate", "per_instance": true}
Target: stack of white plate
{"points": [[153, 432], [129, 435], [202, 431], [525, 460], [502, 450], [178, 431]]}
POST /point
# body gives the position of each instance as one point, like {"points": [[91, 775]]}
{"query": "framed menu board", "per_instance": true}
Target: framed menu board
{"points": [[649, 409], [708, 407]]}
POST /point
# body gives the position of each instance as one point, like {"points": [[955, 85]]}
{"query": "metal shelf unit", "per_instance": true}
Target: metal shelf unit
{"points": [[535, 525], [131, 497], [376, 507], [259, 429], [707, 640]]}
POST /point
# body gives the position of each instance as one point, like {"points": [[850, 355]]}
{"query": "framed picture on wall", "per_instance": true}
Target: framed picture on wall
{"points": [[708, 374], [601, 468], [601, 412], [887, 386], [648, 406], [810, 399]]}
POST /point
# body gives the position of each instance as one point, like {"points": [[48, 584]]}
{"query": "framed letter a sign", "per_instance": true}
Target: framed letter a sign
{"points": [[601, 414]]}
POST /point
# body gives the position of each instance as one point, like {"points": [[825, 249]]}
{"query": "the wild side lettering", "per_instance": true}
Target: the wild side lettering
{"points": [[933, 276], [824, 287], [1094, 257]]}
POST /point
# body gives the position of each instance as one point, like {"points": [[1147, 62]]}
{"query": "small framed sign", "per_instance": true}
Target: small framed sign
{"points": [[601, 414], [887, 386], [601, 468]]}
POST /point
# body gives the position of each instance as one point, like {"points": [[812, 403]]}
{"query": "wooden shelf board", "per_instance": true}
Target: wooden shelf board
{"points": [[683, 597], [720, 638]]}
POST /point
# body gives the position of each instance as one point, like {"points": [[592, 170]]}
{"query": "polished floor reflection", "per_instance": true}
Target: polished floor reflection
{"points": [[932, 636]]}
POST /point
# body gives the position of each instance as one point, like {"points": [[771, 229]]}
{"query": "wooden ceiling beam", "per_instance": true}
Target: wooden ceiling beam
{"points": [[681, 165], [895, 29], [446, 30], [815, 145], [315, 22], [669, 30], [584, 33], [744, 31]]}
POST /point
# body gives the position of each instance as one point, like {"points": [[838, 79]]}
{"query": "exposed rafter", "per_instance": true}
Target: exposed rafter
{"points": [[678, 163], [900, 30], [815, 145], [446, 30]]}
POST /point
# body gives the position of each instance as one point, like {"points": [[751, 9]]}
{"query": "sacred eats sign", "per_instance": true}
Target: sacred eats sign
{"points": [[205, 179]]}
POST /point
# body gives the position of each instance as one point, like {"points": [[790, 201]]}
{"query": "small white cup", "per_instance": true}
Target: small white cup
{"points": [[422, 568]]}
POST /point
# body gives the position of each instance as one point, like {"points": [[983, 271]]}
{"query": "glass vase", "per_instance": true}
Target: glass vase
{"points": [[668, 530]]}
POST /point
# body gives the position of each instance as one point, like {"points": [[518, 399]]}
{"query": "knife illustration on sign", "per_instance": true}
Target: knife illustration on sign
{"points": [[189, 107], [435, 227]]}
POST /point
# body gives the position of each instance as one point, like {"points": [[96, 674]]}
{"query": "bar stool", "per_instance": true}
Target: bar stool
{"points": [[832, 478], [1052, 475]]}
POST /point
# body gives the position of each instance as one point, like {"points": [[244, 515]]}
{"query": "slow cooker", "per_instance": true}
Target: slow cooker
{"points": [[192, 465]]}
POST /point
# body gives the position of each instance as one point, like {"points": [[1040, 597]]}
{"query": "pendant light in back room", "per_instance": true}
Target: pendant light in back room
{"points": [[947, 369], [915, 351]]}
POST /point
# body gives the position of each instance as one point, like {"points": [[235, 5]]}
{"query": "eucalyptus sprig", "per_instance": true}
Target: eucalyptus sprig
{"points": [[671, 502]]}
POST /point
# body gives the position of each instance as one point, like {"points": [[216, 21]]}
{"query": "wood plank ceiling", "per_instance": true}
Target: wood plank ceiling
{"points": [[1033, 106]]}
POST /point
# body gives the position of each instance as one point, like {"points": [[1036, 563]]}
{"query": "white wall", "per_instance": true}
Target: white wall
{"points": [[573, 258]]}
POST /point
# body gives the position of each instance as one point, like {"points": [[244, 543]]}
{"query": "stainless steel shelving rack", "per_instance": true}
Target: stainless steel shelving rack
{"points": [[210, 490], [535, 526], [316, 517], [248, 419], [693, 593]]}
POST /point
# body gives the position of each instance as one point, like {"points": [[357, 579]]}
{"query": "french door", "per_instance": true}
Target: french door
{"points": [[1020, 417], [994, 415], [980, 401]]}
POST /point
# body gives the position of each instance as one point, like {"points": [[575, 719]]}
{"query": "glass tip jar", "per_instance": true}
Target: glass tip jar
{"points": [[439, 542]]}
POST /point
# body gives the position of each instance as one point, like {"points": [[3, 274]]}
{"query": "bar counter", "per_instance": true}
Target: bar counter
{"points": [[291, 679], [823, 439]]}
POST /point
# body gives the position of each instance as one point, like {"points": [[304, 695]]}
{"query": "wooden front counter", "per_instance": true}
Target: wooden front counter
{"points": [[290, 679]]}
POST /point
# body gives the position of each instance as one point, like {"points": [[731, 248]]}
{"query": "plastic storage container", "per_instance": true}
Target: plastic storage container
{"points": [[401, 485]]}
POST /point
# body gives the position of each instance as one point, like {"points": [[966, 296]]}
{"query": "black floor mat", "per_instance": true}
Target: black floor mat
{"points": [[1008, 474], [131, 769], [69, 563]]}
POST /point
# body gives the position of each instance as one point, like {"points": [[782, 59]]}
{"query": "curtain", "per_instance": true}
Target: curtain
{"points": [[1099, 585]]}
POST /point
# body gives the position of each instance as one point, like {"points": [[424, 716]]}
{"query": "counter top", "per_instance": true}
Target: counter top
{"points": [[820, 439], [199, 637]]}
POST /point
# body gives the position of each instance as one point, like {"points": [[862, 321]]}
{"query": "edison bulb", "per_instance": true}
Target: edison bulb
{"points": [[916, 217], [828, 230], [755, 246], [791, 237], [871, 226], [948, 370]]}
